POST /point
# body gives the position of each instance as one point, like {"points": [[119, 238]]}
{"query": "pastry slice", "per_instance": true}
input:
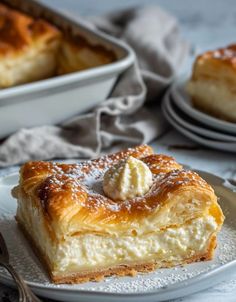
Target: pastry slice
{"points": [[28, 48], [213, 82], [128, 212]]}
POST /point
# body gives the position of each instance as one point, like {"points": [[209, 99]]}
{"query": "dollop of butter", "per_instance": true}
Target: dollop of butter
{"points": [[128, 179]]}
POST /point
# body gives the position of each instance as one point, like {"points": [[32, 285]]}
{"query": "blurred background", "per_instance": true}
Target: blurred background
{"points": [[206, 24]]}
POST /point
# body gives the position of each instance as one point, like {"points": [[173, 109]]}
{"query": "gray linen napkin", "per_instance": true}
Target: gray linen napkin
{"points": [[122, 120]]}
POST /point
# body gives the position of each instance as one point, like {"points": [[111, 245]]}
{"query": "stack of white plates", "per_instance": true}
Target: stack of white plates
{"points": [[196, 125]]}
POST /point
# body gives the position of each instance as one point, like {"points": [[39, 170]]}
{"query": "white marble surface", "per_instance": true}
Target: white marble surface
{"points": [[206, 24]]}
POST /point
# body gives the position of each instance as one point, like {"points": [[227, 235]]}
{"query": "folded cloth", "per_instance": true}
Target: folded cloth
{"points": [[122, 120]]}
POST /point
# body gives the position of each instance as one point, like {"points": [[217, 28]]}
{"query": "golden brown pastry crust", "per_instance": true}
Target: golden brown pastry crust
{"points": [[32, 49], [67, 196], [215, 59], [212, 84], [28, 48], [19, 31]]}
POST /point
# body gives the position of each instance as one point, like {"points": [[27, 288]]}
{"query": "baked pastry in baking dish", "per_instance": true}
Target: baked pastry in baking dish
{"points": [[32, 49], [28, 48], [213, 81], [117, 215]]}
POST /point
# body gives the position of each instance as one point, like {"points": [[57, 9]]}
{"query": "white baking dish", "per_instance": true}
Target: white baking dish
{"points": [[54, 100]]}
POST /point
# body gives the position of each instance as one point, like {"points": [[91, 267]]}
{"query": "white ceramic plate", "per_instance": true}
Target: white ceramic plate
{"points": [[210, 143], [163, 284], [183, 101], [186, 122]]}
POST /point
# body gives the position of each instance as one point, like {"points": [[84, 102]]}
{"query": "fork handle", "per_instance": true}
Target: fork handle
{"points": [[25, 293]]}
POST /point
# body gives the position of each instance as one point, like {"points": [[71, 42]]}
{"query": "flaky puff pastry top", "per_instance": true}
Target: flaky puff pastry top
{"points": [[220, 63], [72, 202], [18, 31]]}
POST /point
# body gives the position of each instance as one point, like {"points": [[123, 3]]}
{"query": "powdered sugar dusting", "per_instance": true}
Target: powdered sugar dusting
{"points": [[87, 175], [83, 183]]}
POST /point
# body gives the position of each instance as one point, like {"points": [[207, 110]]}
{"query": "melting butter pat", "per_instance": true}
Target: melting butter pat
{"points": [[128, 179]]}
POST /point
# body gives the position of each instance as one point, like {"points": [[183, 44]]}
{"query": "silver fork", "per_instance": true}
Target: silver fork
{"points": [[25, 293]]}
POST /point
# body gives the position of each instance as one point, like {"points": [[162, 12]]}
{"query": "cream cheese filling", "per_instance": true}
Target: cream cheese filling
{"points": [[91, 251], [88, 251]]}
